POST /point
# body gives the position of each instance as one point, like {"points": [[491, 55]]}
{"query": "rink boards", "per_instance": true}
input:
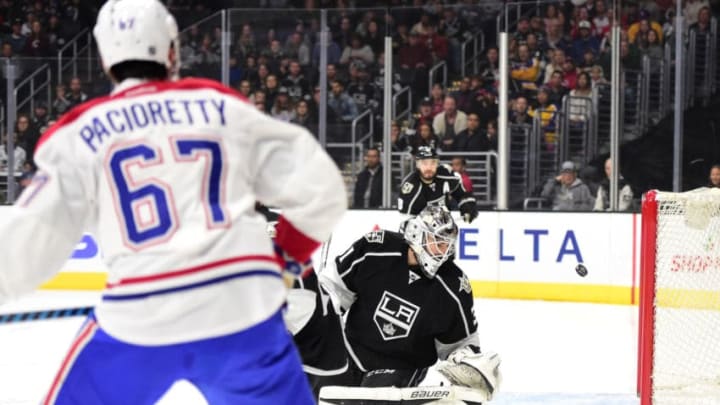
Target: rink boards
{"points": [[524, 255]]}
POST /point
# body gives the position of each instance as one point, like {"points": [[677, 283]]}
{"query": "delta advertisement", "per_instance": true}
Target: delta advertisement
{"points": [[583, 257]]}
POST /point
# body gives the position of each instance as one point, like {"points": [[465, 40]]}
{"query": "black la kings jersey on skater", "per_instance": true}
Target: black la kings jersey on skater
{"points": [[415, 194], [398, 318]]}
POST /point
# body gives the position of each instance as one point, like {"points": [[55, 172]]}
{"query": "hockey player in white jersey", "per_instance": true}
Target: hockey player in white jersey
{"points": [[166, 174]]}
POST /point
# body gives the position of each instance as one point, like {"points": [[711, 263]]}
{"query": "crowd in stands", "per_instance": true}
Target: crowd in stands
{"points": [[556, 50]]}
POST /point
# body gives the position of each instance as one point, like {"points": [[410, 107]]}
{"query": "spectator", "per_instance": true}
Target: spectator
{"points": [[691, 12], [245, 88], [489, 66], [553, 16], [425, 113], [37, 44], [27, 136], [17, 39], [297, 49], [454, 29], [525, 69], [295, 82], [491, 132], [601, 20], [76, 96], [271, 88], [570, 73], [520, 113], [585, 40], [464, 95], [273, 54], [245, 44], [374, 38], [485, 106], [547, 114], [566, 191], [422, 27], [643, 26], [580, 105], [625, 193], [651, 45], [333, 52], [343, 36], [423, 137], [341, 103], [588, 61], [714, 177], [556, 64], [450, 122], [523, 29], [414, 61], [361, 89], [357, 51], [401, 38], [61, 104], [19, 155], [304, 118], [438, 44], [368, 187], [555, 36], [459, 166], [283, 108], [702, 26], [597, 75], [556, 89], [537, 28], [40, 114], [437, 96], [472, 139], [395, 136]]}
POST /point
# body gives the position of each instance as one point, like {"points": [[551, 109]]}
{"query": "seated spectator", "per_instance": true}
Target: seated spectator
{"points": [[485, 106], [271, 87], [566, 191], [547, 113], [76, 96], [702, 26], [489, 66], [282, 107], [27, 136], [491, 131], [555, 36], [295, 82], [692, 8], [422, 27], [40, 116], [437, 43], [464, 95], [597, 75], [437, 96], [304, 118], [368, 187], [297, 49], [374, 38], [37, 44], [556, 90], [413, 140], [414, 61], [361, 89], [570, 73], [714, 177], [273, 54], [523, 29], [341, 103], [520, 111], [525, 69], [16, 39], [472, 139], [458, 165], [451, 121], [245, 88], [580, 105], [424, 114], [19, 155], [588, 61], [357, 51], [333, 52], [585, 40], [625, 193], [556, 64], [601, 21], [643, 26]]}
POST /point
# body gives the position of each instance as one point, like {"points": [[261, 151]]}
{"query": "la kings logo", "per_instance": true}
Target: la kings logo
{"points": [[394, 316]]}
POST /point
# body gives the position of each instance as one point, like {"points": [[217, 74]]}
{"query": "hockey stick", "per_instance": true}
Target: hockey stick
{"points": [[334, 395], [44, 314]]}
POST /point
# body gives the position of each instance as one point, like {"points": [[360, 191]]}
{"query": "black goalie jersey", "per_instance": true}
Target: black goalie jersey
{"points": [[397, 318]]}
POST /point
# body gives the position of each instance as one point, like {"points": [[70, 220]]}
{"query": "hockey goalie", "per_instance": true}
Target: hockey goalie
{"points": [[406, 305]]}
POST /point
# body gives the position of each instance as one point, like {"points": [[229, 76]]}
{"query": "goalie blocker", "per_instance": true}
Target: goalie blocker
{"points": [[445, 395]]}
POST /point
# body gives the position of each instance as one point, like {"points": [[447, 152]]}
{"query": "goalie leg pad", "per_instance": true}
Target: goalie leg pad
{"points": [[445, 395]]}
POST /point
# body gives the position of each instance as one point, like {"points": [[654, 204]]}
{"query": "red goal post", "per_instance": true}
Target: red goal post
{"points": [[679, 323]]}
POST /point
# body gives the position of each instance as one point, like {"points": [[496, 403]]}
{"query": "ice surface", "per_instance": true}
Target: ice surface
{"points": [[553, 353]]}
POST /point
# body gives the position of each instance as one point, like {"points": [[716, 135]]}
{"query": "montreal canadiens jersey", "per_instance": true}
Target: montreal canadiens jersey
{"points": [[166, 176], [397, 318]]}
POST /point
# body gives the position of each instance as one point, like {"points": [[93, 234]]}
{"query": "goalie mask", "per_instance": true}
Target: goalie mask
{"points": [[431, 235], [137, 30]]}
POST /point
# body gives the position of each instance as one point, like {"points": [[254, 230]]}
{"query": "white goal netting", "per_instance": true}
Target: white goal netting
{"points": [[686, 299]]}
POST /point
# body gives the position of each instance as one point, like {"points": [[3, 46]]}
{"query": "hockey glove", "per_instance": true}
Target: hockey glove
{"points": [[468, 209], [468, 368], [290, 265]]}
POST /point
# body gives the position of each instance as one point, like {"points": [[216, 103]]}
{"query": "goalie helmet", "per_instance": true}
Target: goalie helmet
{"points": [[431, 235], [136, 30]]}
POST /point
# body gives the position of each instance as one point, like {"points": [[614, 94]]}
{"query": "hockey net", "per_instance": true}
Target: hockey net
{"points": [[679, 341]]}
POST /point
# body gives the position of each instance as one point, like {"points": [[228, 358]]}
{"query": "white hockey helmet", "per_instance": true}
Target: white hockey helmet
{"points": [[137, 30], [431, 235]]}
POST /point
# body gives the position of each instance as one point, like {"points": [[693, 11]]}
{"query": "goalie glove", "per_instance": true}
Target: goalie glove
{"points": [[468, 368]]}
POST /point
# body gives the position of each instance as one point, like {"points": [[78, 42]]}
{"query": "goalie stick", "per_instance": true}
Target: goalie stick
{"points": [[44, 314], [451, 394]]}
